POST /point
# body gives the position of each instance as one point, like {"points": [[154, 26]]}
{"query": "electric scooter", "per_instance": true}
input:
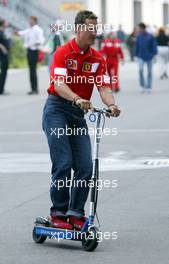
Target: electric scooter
{"points": [[89, 234]]}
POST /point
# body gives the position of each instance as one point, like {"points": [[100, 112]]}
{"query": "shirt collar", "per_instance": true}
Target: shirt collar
{"points": [[77, 49]]}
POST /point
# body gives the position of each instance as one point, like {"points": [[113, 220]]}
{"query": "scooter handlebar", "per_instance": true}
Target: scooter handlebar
{"points": [[104, 111]]}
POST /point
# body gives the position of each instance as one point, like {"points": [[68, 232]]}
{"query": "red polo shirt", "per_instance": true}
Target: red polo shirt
{"points": [[80, 70]]}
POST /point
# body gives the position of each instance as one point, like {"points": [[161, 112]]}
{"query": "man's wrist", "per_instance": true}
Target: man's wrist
{"points": [[75, 99], [110, 105]]}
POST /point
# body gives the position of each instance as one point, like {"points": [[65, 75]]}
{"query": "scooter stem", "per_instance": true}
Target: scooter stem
{"points": [[95, 173]]}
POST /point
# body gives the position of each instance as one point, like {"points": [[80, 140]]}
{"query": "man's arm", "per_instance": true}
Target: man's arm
{"points": [[105, 88], [137, 47], [65, 92], [3, 49], [107, 96], [22, 33], [108, 99], [154, 46]]}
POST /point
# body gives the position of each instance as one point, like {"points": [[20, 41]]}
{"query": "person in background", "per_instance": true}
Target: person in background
{"points": [[152, 29], [130, 41], [111, 48], [121, 35], [4, 2], [99, 38], [55, 40], [163, 52], [146, 49], [4, 56], [33, 40]]}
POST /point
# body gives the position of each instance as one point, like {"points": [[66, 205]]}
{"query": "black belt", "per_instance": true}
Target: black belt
{"points": [[59, 98]]}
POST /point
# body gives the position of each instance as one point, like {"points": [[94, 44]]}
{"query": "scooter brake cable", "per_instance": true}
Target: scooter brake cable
{"points": [[102, 128], [97, 217]]}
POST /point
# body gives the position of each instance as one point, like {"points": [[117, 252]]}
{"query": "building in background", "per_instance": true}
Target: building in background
{"points": [[127, 13]]}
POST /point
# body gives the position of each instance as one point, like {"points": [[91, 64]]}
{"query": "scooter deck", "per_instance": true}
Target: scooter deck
{"points": [[58, 233], [43, 227]]}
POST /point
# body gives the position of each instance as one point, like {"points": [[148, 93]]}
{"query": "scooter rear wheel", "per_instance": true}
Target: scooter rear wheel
{"points": [[90, 240], [39, 239]]}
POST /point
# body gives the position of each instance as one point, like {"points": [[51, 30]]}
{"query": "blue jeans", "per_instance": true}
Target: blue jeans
{"points": [[145, 84], [68, 150]]}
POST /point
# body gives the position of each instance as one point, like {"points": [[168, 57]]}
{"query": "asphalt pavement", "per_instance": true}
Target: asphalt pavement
{"points": [[137, 158]]}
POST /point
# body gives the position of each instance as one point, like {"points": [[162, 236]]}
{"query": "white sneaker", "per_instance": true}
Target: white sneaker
{"points": [[149, 91], [142, 90]]}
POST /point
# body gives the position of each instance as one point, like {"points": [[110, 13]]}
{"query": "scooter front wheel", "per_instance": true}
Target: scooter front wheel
{"points": [[90, 240], [39, 239]]}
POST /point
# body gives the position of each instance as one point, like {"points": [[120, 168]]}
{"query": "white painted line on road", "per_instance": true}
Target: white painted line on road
{"points": [[154, 130], [40, 162], [137, 164], [20, 133], [23, 70], [25, 103], [163, 130]]}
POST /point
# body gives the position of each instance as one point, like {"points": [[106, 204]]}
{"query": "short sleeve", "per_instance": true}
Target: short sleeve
{"points": [[58, 66], [101, 78]]}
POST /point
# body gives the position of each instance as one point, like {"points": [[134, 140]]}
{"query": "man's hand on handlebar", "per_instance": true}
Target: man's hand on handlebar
{"points": [[115, 112], [87, 105], [84, 104]]}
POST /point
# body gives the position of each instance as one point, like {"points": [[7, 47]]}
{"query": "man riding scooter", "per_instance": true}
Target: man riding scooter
{"points": [[68, 98]]}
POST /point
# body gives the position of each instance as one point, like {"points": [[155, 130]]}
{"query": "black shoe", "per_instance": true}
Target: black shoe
{"points": [[32, 92], [162, 77], [166, 75], [4, 93], [117, 90]]}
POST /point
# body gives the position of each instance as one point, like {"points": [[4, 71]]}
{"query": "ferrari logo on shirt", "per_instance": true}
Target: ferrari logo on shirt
{"points": [[90, 67], [72, 64], [87, 67]]}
